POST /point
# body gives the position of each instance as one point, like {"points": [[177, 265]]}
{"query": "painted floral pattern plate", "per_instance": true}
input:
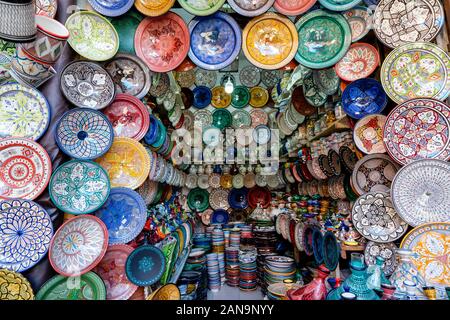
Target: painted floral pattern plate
{"points": [[360, 20], [359, 62], [368, 134], [385, 250], [111, 8], [15, 286], [46, 8]]}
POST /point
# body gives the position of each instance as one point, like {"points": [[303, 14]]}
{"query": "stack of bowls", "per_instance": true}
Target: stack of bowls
{"points": [[218, 247], [247, 270], [226, 234], [235, 238], [265, 241], [232, 266], [277, 269], [247, 241], [214, 281], [201, 240]]}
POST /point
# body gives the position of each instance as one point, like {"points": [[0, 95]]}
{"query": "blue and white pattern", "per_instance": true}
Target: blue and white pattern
{"points": [[84, 134], [25, 233], [111, 8]]}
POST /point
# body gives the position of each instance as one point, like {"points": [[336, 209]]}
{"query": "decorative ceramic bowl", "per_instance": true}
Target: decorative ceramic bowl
{"points": [[46, 8], [250, 8], [153, 8], [293, 7], [111, 8]]}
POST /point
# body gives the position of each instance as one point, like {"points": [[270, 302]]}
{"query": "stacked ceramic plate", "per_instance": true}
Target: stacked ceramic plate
{"points": [[278, 269], [232, 266], [265, 241], [247, 270]]}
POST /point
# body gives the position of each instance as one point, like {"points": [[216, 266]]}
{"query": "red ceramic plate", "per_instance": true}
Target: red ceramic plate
{"points": [[162, 42], [359, 62], [293, 7], [259, 195], [128, 116]]}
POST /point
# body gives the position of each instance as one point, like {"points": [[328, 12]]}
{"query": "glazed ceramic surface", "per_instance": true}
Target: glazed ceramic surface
{"points": [[293, 7], [250, 8], [421, 192], [153, 8], [363, 97], [111, 8], [25, 234], [218, 199], [368, 134], [79, 187], [360, 20], [418, 129], [46, 7], [339, 5], [201, 7], [207, 78], [145, 265], [384, 250], [416, 70], [25, 169], [16, 286], [92, 36], [250, 76], [359, 62]]}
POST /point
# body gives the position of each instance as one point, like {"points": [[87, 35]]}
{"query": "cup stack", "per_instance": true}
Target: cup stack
{"points": [[277, 269], [232, 266], [213, 272], [247, 270]]}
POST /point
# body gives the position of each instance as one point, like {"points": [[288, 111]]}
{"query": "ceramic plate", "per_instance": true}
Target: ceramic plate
{"points": [[374, 217], [24, 112], [258, 117], [385, 250], [339, 5], [15, 286], [368, 134], [78, 245], [86, 84], [429, 244], [153, 8], [222, 119], [360, 20], [145, 265], [418, 129], [79, 187], [202, 97], [421, 192], [313, 93], [359, 62], [215, 41], [127, 163], [130, 75], [160, 85], [416, 70], [324, 39], [198, 199], [46, 8], [202, 7], [219, 216], [240, 97], [111, 8], [218, 199], [212, 136], [241, 119], [258, 97], [374, 173], [25, 169], [270, 41], [250, 8], [259, 195], [293, 7], [83, 133], [363, 97], [128, 116], [250, 76], [25, 234], [207, 78], [326, 80], [261, 135], [238, 198], [124, 214], [400, 22], [162, 42], [331, 251], [125, 26], [92, 36], [166, 292], [220, 99]]}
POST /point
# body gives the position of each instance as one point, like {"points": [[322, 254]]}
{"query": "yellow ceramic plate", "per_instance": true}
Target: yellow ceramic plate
{"points": [[14, 286], [258, 97], [226, 181], [181, 237], [220, 99], [166, 292], [153, 8], [270, 41], [127, 163]]}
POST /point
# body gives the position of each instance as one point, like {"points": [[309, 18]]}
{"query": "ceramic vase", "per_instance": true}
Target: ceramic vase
{"points": [[376, 275], [406, 271], [315, 290]]}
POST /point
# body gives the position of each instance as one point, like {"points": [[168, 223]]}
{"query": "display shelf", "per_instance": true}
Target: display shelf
{"points": [[340, 125], [346, 248]]}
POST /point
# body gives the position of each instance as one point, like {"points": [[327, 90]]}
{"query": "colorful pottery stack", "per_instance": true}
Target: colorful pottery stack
{"points": [[246, 241], [265, 241], [218, 247], [232, 266], [277, 269], [235, 238], [247, 270], [214, 280]]}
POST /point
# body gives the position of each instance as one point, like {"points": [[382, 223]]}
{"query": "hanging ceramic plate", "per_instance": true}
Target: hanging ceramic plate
{"points": [[111, 8], [374, 217], [222, 119], [385, 250], [258, 117], [270, 41], [331, 251], [240, 97], [212, 136], [46, 8], [241, 119], [162, 42], [166, 292], [300, 103], [238, 181], [359, 62], [130, 74], [218, 199], [202, 97], [25, 169], [374, 173], [207, 78], [127, 163], [261, 135], [202, 7], [220, 99], [430, 244], [293, 7], [219, 216], [258, 97], [198, 199], [368, 134], [360, 20], [86, 84], [250, 8], [363, 97], [339, 5], [128, 116], [259, 195], [400, 22], [79, 187], [421, 192], [214, 180], [83, 133], [326, 80], [78, 245], [313, 93], [238, 198], [145, 265], [14, 286], [418, 129], [416, 70], [250, 76], [153, 8], [271, 78], [124, 214], [317, 245], [25, 234], [92, 36], [215, 41], [24, 112], [324, 39], [90, 287]]}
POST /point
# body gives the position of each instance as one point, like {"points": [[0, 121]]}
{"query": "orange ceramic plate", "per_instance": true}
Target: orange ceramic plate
{"points": [[220, 99], [153, 8], [270, 41], [258, 97], [127, 163]]}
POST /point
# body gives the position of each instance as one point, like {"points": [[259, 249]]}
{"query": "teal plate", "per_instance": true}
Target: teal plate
{"points": [[339, 5], [240, 97], [222, 119], [198, 199]]}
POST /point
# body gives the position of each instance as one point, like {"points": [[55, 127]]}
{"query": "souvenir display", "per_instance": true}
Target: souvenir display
{"points": [[14, 286], [145, 265], [359, 62], [420, 192], [368, 134], [363, 97], [25, 169]]}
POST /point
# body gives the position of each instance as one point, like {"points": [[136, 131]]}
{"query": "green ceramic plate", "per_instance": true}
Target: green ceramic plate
{"points": [[240, 97], [241, 119], [201, 7], [339, 5], [88, 286], [198, 199], [324, 38], [126, 26], [222, 118]]}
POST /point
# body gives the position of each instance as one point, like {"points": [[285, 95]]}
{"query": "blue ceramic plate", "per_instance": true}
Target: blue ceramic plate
{"points": [[363, 97], [202, 97], [84, 133], [153, 131], [219, 216], [317, 245], [215, 41], [145, 265], [237, 198], [339, 5], [124, 214], [330, 251], [25, 233], [111, 8]]}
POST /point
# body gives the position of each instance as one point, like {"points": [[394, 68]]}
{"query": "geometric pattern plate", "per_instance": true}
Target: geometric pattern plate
{"points": [[384, 250]]}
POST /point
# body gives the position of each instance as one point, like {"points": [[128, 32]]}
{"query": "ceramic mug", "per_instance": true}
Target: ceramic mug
{"points": [[51, 38]]}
